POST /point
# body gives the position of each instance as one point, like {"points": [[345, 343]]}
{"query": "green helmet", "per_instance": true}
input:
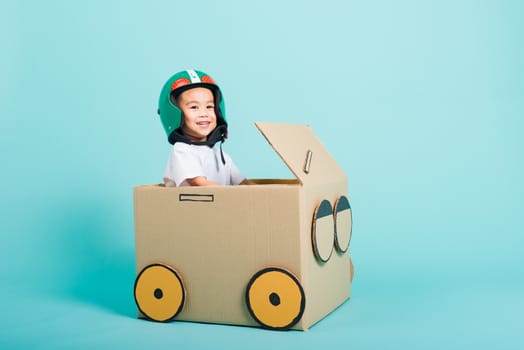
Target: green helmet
{"points": [[170, 114]]}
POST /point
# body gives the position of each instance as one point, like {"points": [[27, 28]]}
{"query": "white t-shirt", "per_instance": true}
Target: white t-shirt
{"points": [[189, 161]]}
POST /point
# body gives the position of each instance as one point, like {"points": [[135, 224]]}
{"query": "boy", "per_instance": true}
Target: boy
{"points": [[192, 112]]}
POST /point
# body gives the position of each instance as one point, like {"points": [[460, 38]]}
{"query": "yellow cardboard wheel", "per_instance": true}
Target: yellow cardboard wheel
{"points": [[159, 292], [275, 298]]}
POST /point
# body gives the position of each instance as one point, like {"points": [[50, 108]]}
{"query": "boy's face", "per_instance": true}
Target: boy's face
{"points": [[198, 109]]}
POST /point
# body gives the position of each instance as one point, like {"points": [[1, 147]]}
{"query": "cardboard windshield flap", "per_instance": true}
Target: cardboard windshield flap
{"points": [[273, 254]]}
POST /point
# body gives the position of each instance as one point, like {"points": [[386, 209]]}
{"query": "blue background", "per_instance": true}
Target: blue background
{"points": [[421, 102]]}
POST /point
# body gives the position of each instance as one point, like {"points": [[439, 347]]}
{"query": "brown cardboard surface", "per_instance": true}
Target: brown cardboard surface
{"points": [[293, 143], [217, 246], [328, 283], [217, 238]]}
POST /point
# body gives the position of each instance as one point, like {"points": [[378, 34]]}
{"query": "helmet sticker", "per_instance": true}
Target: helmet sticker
{"points": [[193, 75], [207, 79], [179, 82]]}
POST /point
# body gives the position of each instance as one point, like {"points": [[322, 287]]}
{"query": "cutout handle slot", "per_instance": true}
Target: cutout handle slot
{"points": [[307, 164]]}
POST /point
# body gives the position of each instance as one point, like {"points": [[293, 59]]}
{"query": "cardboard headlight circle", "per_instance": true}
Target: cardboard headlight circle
{"points": [[323, 231], [343, 224], [159, 292]]}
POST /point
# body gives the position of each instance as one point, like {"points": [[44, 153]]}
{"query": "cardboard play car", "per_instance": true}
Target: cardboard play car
{"points": [[273, 254]]}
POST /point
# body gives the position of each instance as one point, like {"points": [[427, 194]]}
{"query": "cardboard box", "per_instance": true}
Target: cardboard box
{"points": [[273, 254]]}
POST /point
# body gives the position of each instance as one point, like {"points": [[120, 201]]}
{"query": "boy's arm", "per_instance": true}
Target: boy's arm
{"points": [[200, 181]]}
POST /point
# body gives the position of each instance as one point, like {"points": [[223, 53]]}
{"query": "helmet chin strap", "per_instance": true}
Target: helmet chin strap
{"points": [[217, 135]]}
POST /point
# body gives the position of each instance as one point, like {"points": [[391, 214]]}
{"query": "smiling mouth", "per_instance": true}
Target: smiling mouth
{"points": [[204, 124]]}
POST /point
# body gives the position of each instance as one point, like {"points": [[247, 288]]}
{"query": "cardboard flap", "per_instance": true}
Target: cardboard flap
{"points": [[302, 151]]}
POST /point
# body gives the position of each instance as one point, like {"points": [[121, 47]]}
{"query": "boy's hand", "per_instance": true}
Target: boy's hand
{"points": [[200, 181]]}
